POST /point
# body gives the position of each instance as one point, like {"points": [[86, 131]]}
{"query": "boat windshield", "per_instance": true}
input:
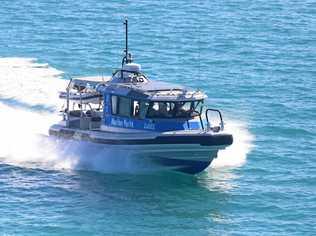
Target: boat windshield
{"points": [[174, 109]]}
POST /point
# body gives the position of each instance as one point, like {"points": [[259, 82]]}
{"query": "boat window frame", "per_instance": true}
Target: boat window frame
{"points": [[146, 105], [193, 106], [143, 104], [143, 107], [118, 106], [129, 106]]}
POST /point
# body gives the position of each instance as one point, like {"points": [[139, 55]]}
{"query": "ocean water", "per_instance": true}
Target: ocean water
{"points": [[256, 60]]}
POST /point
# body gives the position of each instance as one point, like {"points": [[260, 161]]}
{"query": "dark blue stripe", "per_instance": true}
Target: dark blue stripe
{"points": [[204, 140]]}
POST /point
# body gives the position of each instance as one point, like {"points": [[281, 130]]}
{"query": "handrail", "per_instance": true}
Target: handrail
{"points": [[220, 116], [200, 116], [201, 109], [201, 121], [67, 103]]}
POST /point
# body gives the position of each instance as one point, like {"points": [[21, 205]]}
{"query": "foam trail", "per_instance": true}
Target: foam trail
{"points": [[28, 98], [24, 143], [236, 154], [29, 82]]}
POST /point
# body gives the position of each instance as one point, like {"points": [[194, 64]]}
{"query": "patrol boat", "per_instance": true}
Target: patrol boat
{"points": [[154, 120]]}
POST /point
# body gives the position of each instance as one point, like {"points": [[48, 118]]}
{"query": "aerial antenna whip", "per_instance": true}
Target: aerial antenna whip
{"points": [[128, 57], [126, 38]]}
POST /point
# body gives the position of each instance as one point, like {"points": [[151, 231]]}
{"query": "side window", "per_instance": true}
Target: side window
{"points": [[153, 110], [161, 110], [124, 107], [184, 109], [114, 103], [172, 109], [143, 109], [139, 109]]}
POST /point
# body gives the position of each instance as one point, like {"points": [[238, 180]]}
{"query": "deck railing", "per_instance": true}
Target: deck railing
{"points": [[209, 125]]}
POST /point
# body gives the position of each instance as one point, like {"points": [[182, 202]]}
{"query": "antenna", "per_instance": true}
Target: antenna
{"points": [[128, 57], [126, 38]]}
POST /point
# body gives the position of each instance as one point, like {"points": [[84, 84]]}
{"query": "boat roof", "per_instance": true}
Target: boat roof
{"points": [[92, 80], [153, 85], [153, 90]]}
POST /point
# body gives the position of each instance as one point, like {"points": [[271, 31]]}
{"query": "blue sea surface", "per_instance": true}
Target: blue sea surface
{"points": [[256, 60]]}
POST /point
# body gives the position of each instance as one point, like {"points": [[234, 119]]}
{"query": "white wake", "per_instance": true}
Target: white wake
{"points": [[28, 92]]}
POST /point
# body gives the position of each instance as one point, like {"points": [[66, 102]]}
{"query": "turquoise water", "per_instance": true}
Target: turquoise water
{"points": [[255, 59]]}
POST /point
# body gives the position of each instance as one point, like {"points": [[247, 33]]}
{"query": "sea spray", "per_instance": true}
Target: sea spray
{"points": [[236, 154], [28, 105]]}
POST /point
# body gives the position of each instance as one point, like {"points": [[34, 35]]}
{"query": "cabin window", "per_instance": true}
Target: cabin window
{"points": [[139, 109], [160, 110], [183, 109], [114, 100], [173, 109], [124, 106], [143, 110], [121, 106]]}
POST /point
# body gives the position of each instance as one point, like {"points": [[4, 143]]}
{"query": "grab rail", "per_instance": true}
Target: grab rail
{"points": [[208, 123], [200, 116], [214, 128]]}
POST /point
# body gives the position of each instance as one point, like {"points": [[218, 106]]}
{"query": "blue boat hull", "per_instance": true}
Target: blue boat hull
{"points": [[187, 153]]}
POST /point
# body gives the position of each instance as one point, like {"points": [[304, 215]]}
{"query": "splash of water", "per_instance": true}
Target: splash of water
{"points": [[28, 92], [236, 154]]}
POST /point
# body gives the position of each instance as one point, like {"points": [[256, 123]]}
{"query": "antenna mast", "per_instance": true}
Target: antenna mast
{"points": [[126, 38], [128, 57]]}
